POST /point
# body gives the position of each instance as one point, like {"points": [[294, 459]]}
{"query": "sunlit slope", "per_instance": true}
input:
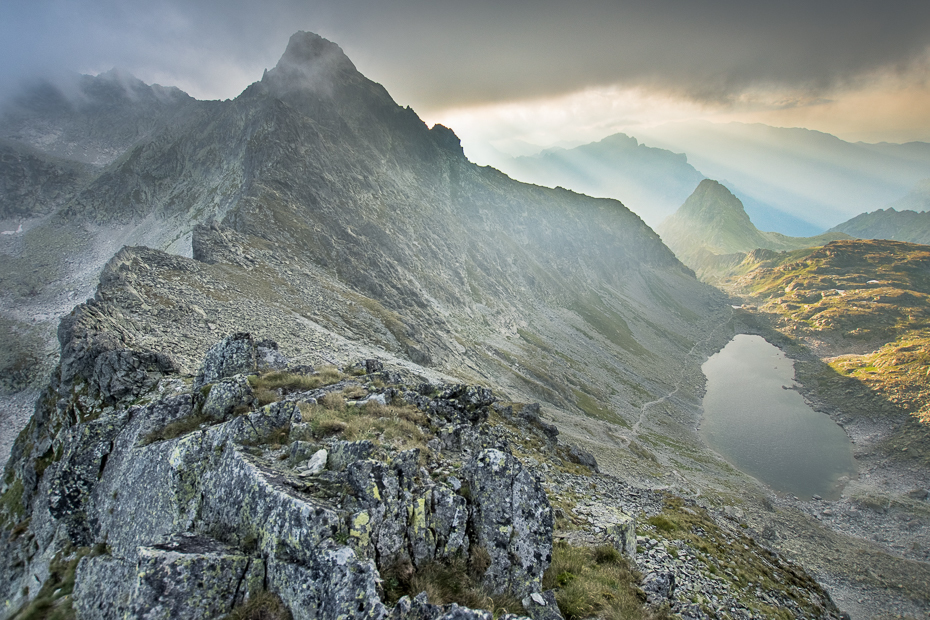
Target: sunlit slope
{"points": [[907, 225], [864, 304]]}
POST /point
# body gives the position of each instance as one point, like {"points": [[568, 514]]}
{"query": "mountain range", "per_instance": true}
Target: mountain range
{"points": [[651, 182], [809, 175], [313, 228], [794, 181]]}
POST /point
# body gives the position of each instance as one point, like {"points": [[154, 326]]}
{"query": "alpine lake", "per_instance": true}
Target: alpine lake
{"points": [[756, 420]]}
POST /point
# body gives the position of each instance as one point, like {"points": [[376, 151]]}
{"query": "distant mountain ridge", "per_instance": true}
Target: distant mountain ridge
{"points": [[918, 199], [651, 182], [712, 222], [91, 119], [810, 175], [890, 224]]}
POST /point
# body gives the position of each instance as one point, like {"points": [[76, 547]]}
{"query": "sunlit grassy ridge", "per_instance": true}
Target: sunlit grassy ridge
{"points": [[871, 295]]}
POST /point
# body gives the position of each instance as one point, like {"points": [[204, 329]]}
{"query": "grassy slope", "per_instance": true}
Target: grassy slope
{"points": [[863, 304]]}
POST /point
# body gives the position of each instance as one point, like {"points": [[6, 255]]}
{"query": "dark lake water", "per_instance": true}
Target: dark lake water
{"points": [[766, 430]]}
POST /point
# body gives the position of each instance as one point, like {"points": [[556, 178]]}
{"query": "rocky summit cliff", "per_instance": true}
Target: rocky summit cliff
{"points": [[335, 357]]}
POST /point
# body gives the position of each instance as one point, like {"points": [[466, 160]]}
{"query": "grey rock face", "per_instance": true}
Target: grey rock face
{"points": [[127, 373], [345, 452], [103, 588], [582, 457], [542, 606], [659, 587], [187, 576], [227, 394], [77, 473], [234, 355], [191, 578], [512, 521], [237, 354]]}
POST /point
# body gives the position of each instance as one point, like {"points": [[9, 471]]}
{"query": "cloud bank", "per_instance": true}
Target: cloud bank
{"points": [[441, 53]]}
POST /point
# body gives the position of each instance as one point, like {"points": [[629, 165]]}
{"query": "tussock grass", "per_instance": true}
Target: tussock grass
{"points": [[295, 382], [449, 581], [261, 606], [399, 426], [175, 429], [596, 582]]}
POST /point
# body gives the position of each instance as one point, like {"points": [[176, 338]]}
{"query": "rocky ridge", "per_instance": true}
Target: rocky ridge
{"points": [[183, 496]]}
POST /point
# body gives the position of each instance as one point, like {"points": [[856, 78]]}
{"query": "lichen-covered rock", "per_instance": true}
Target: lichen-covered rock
{"points": [[127, 373], [175, 406], [542, 606], [191, 578], [448, 520], [238, 354], [267, 356], [102, 588], [300, 451], [511, 519], [335, 583], [258, 426], [73, 478], [225, 395], [186, 576], [620, 531], [659, 587], [419, 608], [582, 457], [316, 463], [343, 453]]}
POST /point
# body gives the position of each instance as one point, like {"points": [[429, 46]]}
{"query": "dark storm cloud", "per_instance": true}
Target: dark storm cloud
{"points": [[438, 53]]}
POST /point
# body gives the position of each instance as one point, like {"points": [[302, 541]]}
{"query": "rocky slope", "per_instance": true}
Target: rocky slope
{"points": [[711, 231], [137, 491], [437, 256]]}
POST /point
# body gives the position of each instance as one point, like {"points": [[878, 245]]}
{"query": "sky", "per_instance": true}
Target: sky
{"points": [[514, 77]]}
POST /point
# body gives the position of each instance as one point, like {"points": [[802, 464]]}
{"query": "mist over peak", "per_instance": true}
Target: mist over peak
{"points": [[311, 63]]}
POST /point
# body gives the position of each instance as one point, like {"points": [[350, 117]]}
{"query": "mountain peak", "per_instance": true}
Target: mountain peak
{"points": [[712, 201], [310, 62]]}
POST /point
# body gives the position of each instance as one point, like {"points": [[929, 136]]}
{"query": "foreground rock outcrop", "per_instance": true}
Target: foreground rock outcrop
{"points": [[183, 499], [139, 492]]}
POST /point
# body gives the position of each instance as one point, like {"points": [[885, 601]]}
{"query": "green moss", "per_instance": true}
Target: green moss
{"points": [[11, 504]]}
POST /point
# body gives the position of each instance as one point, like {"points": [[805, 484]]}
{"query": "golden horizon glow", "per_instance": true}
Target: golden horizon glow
{"points": [[885, 107]]}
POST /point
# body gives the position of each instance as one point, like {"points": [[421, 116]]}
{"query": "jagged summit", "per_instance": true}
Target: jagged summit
{"points": [[714, 205], [712, 222], [313, 63]]}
